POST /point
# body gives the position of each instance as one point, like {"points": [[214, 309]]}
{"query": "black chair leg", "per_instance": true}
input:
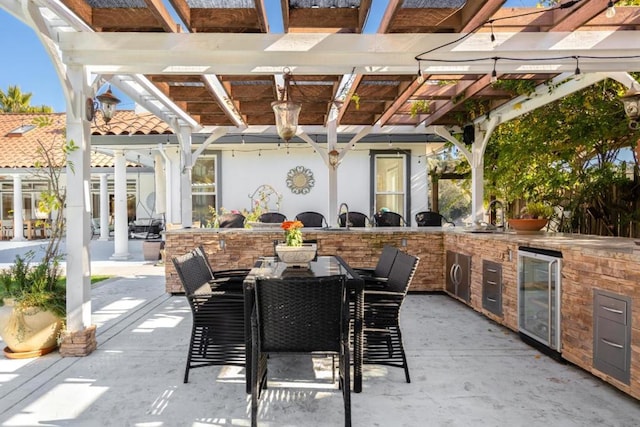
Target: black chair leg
{"points": [[404, 357]]}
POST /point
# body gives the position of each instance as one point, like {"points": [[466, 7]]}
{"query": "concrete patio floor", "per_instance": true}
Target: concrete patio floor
{"points": [[465, 371]]}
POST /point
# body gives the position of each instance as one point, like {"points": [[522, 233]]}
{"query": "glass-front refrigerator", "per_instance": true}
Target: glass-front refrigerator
{"points": [[539, 292]]}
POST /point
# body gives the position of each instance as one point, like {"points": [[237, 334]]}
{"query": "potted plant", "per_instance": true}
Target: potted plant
{"points": [[294, 252], [533, 217], [34, 306], [33, 294]]}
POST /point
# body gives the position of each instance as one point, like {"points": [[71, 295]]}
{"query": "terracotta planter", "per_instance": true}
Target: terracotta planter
{"points": [[31, 331], [527, 224]]}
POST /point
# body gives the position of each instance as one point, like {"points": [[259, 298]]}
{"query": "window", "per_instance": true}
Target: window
{"points": [[203, 187], [95, 197], [390, 181], [30, 196]]}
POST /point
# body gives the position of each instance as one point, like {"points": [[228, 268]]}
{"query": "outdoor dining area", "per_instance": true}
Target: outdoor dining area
{"points": [[241, 317], [465, 370]]}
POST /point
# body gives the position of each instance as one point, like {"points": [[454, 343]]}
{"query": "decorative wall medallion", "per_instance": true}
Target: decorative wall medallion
{"points": [[300, 180]]}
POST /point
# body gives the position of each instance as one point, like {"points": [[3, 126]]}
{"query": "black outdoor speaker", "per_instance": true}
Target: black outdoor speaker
{"points": [[468, 135]]}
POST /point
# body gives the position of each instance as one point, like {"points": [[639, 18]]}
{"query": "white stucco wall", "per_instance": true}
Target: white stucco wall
{"points": [[244, 171]]}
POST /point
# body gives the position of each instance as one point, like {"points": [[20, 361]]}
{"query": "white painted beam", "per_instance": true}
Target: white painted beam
{"points": [[320, 53]]}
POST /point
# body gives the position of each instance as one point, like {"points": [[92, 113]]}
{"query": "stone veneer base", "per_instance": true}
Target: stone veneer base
{"points": [[79, 343]]}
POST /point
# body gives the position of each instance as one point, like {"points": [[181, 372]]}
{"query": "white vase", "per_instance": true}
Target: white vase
{"points": [[297, 256]]}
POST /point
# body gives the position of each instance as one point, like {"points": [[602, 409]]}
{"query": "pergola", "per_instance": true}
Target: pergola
{"points": [[213, 67]]}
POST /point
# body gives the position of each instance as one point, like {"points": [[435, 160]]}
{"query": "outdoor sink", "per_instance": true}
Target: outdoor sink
{"points": [[336, 229], [485, 231]]}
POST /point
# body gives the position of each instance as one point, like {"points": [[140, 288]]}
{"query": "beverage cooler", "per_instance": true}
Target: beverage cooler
{"points": [[539, 292]]}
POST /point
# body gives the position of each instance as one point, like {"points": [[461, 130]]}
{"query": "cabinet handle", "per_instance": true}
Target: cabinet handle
{"points": [[491, 282], [612, 310], [612, 344], [457, 272], [492, 299], [492, 270]]}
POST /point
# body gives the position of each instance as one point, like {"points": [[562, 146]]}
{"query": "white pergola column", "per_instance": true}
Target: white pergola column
{"points": [[121, 225], [78, 227], [104, 207], [159, 176], [332, 198], [186, 208], [18, 220], [482, 133], [168, 170]]}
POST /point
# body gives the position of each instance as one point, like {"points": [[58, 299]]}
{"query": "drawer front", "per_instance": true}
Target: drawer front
{"points": [[492, 287], [611, 345], [611, 308]]}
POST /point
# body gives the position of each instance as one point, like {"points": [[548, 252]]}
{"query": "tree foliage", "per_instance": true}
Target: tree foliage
{"points": [[16, 101], [567, 153]]}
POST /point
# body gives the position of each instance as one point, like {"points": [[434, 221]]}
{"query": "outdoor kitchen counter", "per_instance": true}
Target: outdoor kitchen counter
{"points": [[588, 263]]}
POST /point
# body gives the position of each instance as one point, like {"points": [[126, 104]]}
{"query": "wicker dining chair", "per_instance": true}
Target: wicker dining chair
{"points": [[382, 335], [231, 220], [375, 277], [389, 219], [217, 331], [356, 219], [431, 219], [272, 217], [312, 219], [222, 280], [300, 315]]}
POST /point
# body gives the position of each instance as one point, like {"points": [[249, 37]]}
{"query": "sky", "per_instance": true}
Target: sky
{"points": [[27, 65]]}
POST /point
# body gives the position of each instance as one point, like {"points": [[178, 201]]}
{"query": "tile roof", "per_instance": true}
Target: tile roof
{"points": [[17, 149], [128, 122]]}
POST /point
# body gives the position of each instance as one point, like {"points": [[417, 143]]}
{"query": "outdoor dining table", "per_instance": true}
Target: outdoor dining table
{"points": [[322, 266]]}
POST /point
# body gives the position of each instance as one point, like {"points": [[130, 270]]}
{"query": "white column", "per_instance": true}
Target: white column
{"points": [[104, 207], [332, 140], [18, 220], [185, 177], [160, 184], [78, 206], [477, 186], [121, 225]]}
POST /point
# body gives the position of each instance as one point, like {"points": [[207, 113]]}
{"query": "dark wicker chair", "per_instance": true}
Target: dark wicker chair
{"points": [[217, 331], [383, 267], [312, 219], [222, 280], [382, 335], [231, 220], [272, 217], [356, 219], [388, 219], [284, 321], [431, 219]]}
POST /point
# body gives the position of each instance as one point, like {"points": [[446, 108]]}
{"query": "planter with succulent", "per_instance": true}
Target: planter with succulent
{"points": [[533, 217], [33, 294]]}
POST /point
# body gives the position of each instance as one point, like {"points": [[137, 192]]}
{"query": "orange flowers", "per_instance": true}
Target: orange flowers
{"points": [[292, 233]]}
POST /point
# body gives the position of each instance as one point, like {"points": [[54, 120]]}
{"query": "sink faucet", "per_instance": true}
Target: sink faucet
{"points": [[495, 203], [346, 216]]}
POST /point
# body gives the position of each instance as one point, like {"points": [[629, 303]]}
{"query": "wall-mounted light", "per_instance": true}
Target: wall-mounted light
{"points": [[105, 103], [286, 112], [334, 158], [631, 101]]}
